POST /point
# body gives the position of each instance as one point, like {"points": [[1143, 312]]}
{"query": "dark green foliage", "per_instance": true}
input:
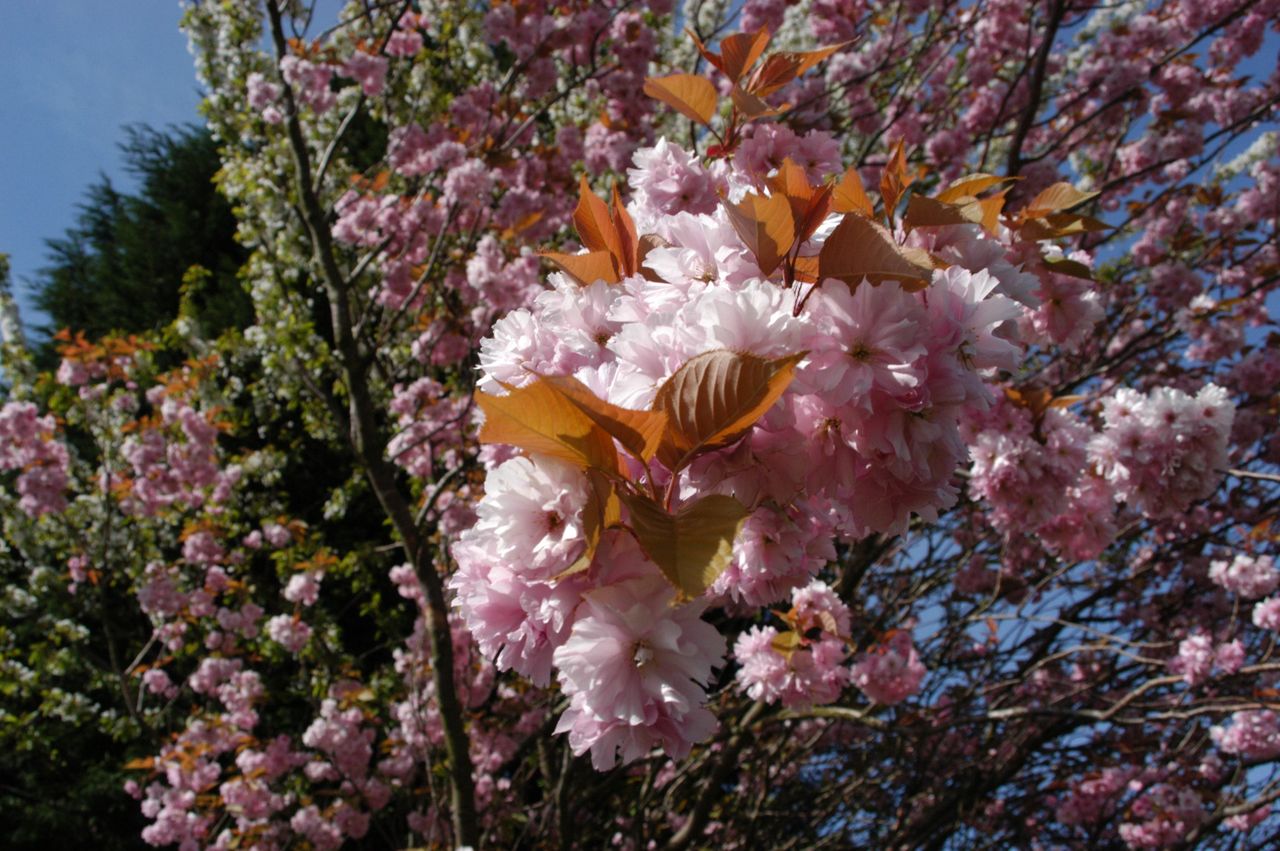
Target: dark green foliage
{"points": [[121, 266]]}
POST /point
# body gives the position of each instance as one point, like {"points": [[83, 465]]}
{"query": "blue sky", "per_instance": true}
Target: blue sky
{"points": [[75, 72]]}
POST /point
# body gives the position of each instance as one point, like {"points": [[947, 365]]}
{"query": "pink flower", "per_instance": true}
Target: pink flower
{"points": [[1246, 575], [1267, 613], [532, 510], [667, 180], [634, 667], [304, 588], [1254, 734], [1169, 813], [368, 70], [1195, 659], [872, 337], [289, 632], [516, 621], [890, 672]]}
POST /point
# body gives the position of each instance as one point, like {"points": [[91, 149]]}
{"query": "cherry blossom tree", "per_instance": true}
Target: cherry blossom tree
{"points": [[813, 424]]}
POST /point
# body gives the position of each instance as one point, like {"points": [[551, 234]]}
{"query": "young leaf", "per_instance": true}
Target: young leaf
{"points": [[809, 204], [930, 212], [647, 243], [688, 94], [766, 227], [849, 196], [594, 224], [625, 229], [538, 418], [806, 268], [991, 209], [778, 70], [895, 179], [715, 398], [1073, 268], [738, 52], [787, 643], [860, 248], [1054, 225], [587, 268], [1058, 197], [971, 185], [601, 511], [639, 431], [751, 106], [791, 182], [807, 59], [691, 547]]}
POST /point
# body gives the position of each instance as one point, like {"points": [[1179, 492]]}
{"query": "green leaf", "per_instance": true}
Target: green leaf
{"points": [[691, 547]]}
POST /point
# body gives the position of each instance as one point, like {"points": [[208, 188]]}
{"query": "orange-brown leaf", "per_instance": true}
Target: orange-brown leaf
{"points": [[1055, 225], [1034, 399], [538, 418], [647, 243], [524, 224], [639, 431], [807, 59], [738, 52], [895, 179], [791, 182], [785, 644], [601, 511], [715, 398], [806, 268], [751, 106], [860, 248], [1073, 268], [971, 185], [1055, 199], [925, 212], [692, 96], [766, 227], [849, 196], [815, 213], [628, 241], [592, 221], [991, 209], [587, 268], [777, 70], [691, 547]]}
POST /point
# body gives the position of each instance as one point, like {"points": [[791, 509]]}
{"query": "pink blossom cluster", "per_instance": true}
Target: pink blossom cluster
{"points": [[810, 671], [1249, 576], [1164, 449], [175, 462], [1095, 797], [1033, 472], [1254, 734], [867, 435], [28, 444], [1198, 657], [891, 671], [446, 176], [1167, 814], [310, 82]]}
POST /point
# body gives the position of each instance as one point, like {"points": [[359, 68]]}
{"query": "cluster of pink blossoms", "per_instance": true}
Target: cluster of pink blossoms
{"points": [[1167, 812], [175, 463], [1162, 450], [865, 436], [28, 444], [1054, 475]]}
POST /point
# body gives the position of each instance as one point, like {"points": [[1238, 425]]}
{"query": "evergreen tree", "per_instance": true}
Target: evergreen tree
{"points": [[121, 266]]}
